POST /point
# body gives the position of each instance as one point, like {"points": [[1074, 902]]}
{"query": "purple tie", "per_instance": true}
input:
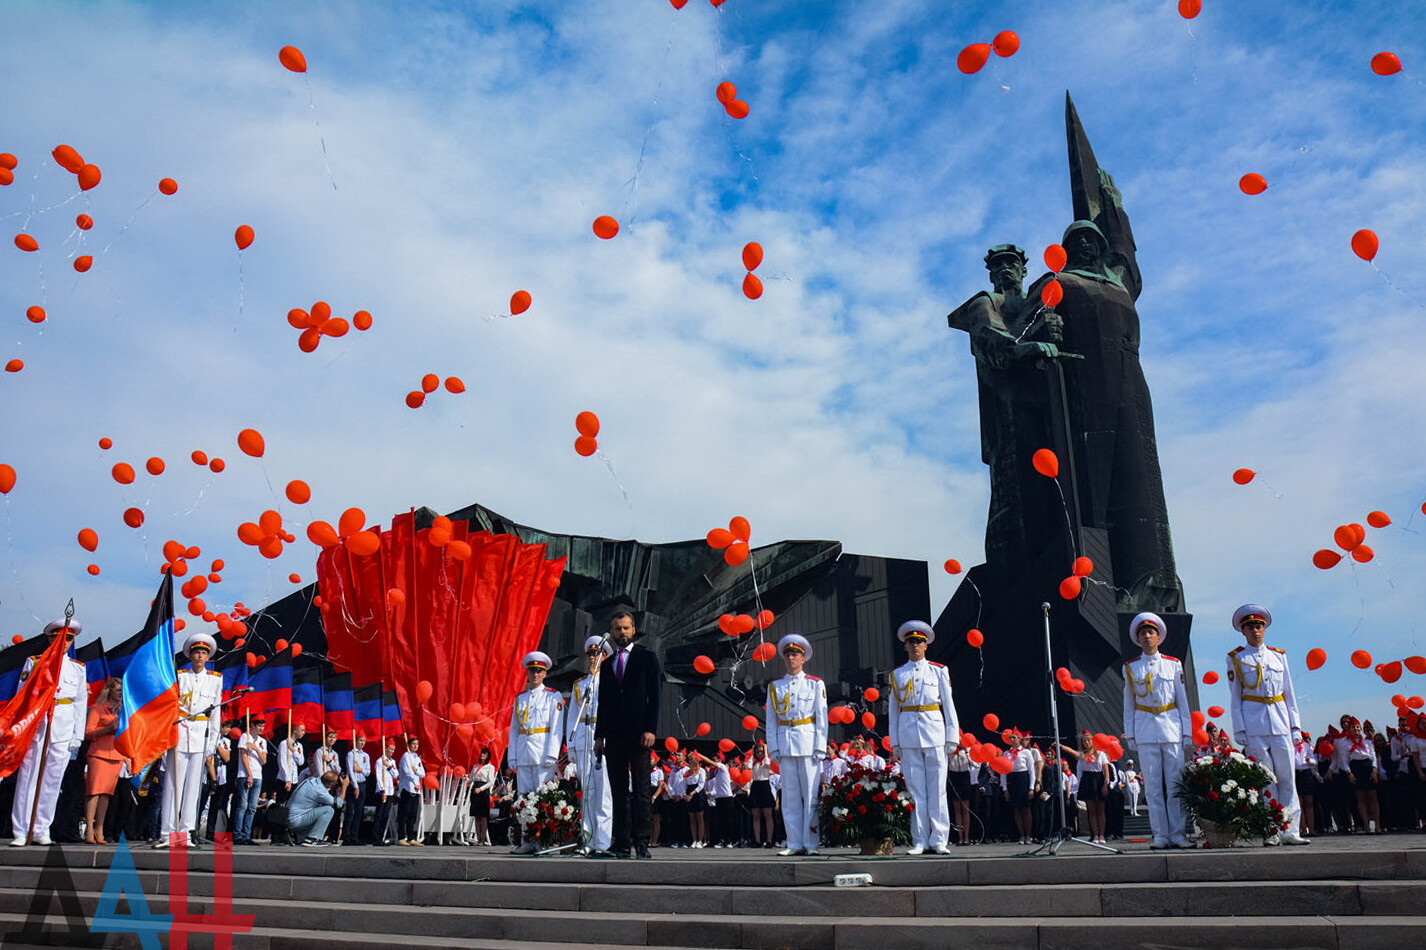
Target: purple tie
{"points": [[619, 667]]}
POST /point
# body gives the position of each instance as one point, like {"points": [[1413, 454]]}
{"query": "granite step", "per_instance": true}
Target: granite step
{"points": [[769, 933]]}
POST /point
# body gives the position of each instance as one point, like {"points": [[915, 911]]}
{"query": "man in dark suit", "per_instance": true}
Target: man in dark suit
{"points": [[629, 683]]}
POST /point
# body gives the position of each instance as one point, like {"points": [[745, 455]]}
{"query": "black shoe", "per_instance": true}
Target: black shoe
{"points": [[642, 852], [621, 853]]}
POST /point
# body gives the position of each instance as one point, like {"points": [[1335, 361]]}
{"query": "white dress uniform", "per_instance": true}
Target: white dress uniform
{"points": [[1157, 722], [64, 735], [1265, 719], [796, 717], [596, 806], [200, 696], [536, 728], [923, 727]]}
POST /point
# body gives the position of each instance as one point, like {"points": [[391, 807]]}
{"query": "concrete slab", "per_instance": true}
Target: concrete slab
{"points": [[1063, 869], [755, 874], [1286, 864], [1396, 933], [573, 929], [824, 902], [1263, 898], [656, 899], [1018, 934], [497, 894], [1189, 933], [891, 872], [1063, 900], [1392, 898]]}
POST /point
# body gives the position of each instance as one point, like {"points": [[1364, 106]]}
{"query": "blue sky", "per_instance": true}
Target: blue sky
{"points": [[471, 145]]}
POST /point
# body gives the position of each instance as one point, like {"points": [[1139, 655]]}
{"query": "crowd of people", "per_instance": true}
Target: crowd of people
{"points": [[332, 790]]}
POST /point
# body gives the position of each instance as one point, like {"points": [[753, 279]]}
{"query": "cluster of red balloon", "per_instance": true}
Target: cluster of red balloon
{"points": [[735, 625], [752, 257], [416, 398], [1067, 682], [267, 535], [732, 541], [1053, 292], [974, 57], [8, 162], [587, 425], [319, 322], [727, 94], [1351, 538], [86, 174], [350, 533], [1072, 586]]}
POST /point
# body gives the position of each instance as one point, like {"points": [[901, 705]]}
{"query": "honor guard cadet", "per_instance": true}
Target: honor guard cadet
{"points": [[1265, 721], [536, 726], [200, 698], [923, 729], [596, 806], [63, 735], [1158, 721], [796, 717]]}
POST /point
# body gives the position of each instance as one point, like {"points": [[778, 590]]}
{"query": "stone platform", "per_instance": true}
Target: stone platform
{"points": [[1349, 893]]}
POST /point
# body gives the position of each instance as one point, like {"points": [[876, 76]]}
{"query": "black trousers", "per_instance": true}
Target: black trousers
{"points": [[351, 822], [383, 815], [408, 816], [627, 763]]}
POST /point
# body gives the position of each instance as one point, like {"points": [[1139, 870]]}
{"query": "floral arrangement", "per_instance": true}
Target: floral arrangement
{"points": [[546, 816], [865, 804], [1229, 789]]}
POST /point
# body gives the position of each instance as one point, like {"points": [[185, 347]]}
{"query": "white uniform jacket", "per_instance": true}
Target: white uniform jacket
{"points": [[1261, 687], [922, 714], [796, 711], [536, 727], [71, 704], [201, 725], [1156, 700]]}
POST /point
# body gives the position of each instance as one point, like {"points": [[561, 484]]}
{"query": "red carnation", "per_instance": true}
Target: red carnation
{"points": [[861, 809]]}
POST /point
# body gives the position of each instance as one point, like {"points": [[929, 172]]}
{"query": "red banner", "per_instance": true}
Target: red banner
{"points": [[21, 717]]}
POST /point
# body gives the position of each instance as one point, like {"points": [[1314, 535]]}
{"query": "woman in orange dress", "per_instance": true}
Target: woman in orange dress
{"points": [[104, 761]]}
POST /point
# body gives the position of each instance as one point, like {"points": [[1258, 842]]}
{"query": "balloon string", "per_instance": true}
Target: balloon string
{"points": [[14, 564], [240, 292], [633, 518], [322, 138], [1393, 286], [630, 211], [979, 605]]}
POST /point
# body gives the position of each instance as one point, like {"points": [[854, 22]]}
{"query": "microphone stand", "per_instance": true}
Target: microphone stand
{"points": [[1062, 833]]}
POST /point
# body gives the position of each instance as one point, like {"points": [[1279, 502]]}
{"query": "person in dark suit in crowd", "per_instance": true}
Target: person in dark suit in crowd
{"points": [[629, 684]]}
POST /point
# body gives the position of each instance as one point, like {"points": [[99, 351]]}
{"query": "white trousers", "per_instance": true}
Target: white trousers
{"points": [[596, 806], [801, 787], [1133, 797], [1161, 764], [925, 774], [182, 783], [1275, 752], [528, 778], [26, 778]]}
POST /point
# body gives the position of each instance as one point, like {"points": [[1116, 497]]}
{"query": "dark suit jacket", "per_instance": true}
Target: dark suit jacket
{"points": [[629, 707]]}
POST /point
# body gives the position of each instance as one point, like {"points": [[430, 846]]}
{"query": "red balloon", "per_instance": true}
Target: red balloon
{"points": [[752, 287], [430, 382], [975, 638], [167, 186], [738, 109], [243, 237], [1052, 293], [26, 242], [154, 466], [352, 521], [1365, 244], [1361, 659], [991, 721], [1378, 519], [736, 553], [765, 619], [1391, 672], [298, 493], [703, 664], [605, 227], [1210, 677], [7, 478], [83, 222], [1386, 64], [1070, 587], [752, 255], [89, 177], [725, 745], [251, 442], [871, 694], [1316, 657], [292, 58], [454, 384], [519, 302], [1083, 567], [1188, 9], [1244, 475], [1349, 536], [1055, 258], [750, 723], [720, 538], [973, 57], [1252, 184], [703, 729], [1046, 462], [133, 517], [123, 473], [88, 539], [1416, 664], [15, 365], [322, 534], [742, 529], [1215, 711], [35, 314], [742, 623], [364, 543], [868, 720], [587, 423], [764, 652], [68, 158], [1001, 764], [361, 320], [83, 262], [1325, 559], [952, 566], [1362, 554], [1006, 43], [726, 93]]}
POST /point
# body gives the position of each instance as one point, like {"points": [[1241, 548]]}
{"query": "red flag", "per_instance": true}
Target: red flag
{"points": [[21, 716]]}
